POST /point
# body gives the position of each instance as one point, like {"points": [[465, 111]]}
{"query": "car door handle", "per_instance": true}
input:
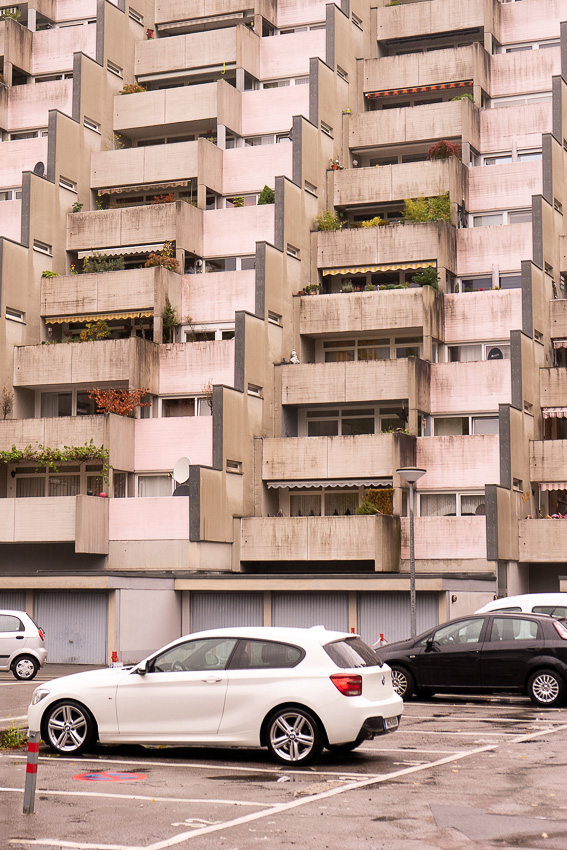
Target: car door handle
{"points": [[210, 680], [19, 637]]}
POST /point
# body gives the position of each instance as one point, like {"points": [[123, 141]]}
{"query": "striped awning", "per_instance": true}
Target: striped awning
{"points": [[560, 343], [331, 482], [462, 84], [554, 485], [124, 250], [554, 412], [384, 267], [146, 188], [99, 317]]}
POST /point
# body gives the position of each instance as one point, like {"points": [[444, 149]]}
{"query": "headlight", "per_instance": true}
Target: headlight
{"points": [[38, 695]]}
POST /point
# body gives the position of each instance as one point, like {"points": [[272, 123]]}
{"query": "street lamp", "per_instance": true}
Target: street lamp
{"points": [[410, 474]]}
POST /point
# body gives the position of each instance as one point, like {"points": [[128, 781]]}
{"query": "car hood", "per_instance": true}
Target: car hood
{"points": [[392, 648], [88, 679]]}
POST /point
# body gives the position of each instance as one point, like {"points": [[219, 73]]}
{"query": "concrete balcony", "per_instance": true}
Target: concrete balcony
{"points": [[357, 382], [523, 72], [459, 462], [558, 318], [188, 109], [138, 167], [395, 243], [215, 50], [553, 387], [190, 367], [115, 433], [374, 312], [452, 538], [28, 110], [548, 461], [542, 541], [450, 120], [136, 226], [401, 22], [129, 363], [16, 45], [495, 313], [525, 124], [460, 64], [479, 247], [209, 14], [161, 442], [82, 520], [475, 387], [377, 455], [336, 538], [216, 297], [513, 184], [164, 519], [396, 182]]}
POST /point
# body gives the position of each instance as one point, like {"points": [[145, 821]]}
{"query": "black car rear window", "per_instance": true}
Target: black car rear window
{"points": [[352, 652]]}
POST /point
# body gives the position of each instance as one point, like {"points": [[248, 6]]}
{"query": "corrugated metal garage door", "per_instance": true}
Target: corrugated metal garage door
{"points": [[389, 614], [14, 600], [75, 626], [217, 610], [304, 610]]}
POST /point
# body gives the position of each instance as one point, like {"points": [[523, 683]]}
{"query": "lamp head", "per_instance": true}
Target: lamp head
{"points": [[410, 474]]}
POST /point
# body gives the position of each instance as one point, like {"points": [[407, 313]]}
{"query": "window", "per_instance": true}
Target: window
{"points": [[263, 654], [154, 485], [254, 389], [351, 652], [345, 422], [356, 21], [451, 504], [478, 351], [342, 73], [274, 318], [29, 134], [69, 480], [510, 629], [233, 466], [15, 315], [42, 247], [67, 184], [506, 217], [309, 187], [187, 406], [135, 16], [72, 403], [8, 623], [465, 631], [114, 69], [194, 655], [91, 125], [386, 348], [462, 426], [292, 251], [11, 194], [327, 129], [323, 502]]}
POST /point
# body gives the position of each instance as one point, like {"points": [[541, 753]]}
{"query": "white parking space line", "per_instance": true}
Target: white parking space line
{"points": [[459, 719], [12, 718], [146, 797]]}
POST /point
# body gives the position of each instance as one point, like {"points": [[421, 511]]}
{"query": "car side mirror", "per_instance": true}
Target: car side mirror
{"points": [[141, 669], [429, 644]]}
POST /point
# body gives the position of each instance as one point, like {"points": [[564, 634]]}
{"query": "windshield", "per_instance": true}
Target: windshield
{"points": [[352, 652]]}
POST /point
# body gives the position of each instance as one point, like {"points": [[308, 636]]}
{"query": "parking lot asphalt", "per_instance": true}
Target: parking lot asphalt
{"points": [[479, 773]]}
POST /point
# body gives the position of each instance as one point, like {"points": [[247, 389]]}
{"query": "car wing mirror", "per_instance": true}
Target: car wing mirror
{"points": [[141, 669], [430, 644]]}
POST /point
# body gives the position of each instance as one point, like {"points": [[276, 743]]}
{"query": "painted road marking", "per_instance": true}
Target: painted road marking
{"points": [[144, 797], [110, 777]]}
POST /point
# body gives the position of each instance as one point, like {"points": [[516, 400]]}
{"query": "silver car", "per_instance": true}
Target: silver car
{"points": [[22, 644]]}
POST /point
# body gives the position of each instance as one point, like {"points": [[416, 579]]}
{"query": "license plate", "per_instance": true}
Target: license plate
{"points": [[390, 723]]}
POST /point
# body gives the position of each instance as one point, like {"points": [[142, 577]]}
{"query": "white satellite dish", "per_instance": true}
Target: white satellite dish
{"points": [[181, 470]]}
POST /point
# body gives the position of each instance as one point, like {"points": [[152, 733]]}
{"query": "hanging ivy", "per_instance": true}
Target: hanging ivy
{"points": [[53, 458]]}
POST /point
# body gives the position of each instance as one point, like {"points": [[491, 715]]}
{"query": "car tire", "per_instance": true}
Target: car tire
{"points": [[402, 681], [343, 749], [294, 736], [546, 688], [68, 728], [25, 667]]}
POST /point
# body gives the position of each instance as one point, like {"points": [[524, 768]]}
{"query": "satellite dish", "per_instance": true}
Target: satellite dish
{"points": [[181, 470], [39, 169], [495, 354]]}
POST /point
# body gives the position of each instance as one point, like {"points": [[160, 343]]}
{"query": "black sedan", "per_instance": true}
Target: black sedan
{"points": [[516, 653]]}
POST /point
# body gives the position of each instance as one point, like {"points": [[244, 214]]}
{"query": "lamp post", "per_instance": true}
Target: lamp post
{"points": [[410, 474]]}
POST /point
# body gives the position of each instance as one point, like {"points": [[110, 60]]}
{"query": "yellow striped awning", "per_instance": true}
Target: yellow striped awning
{"points": [[99, 317], [384, 267], [124, 250]]}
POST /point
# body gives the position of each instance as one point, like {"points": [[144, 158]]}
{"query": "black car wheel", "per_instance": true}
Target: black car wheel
{"points": [[68, 728], [546, 688], [294, 736], [402, 681], [25, 667]]}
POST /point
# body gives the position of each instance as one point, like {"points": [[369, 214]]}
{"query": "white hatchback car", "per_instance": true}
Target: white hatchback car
{"points": [[294, 691], [529, 603], [22, 644]]}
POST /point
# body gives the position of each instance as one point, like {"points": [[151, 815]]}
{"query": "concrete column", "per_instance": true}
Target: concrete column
{"points": [[32, 19], [240, 79], [221, 136]]}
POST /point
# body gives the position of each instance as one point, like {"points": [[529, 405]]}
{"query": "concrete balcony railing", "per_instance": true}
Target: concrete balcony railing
{"points": [[16, 45], [357, 382], [396, 243], [494, 312], [335, 538], [153, 518], [452, 538], [112, 432], [178, 110], [398, 22], [524, 123], [459, 462], [136, 226], [82, 520], [372, 312], [548, 461], [478, 246], [142, 167], [191, 367], [377, 455], [410, 124], [459, 64], [475, 387], [513, 184], [397, 182], [553, 387], [523, 72], [129, 363], [558, 318], [208, 14], [234, 47], [542, 541]]}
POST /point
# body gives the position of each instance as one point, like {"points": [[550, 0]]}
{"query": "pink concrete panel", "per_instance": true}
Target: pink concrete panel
{"points": [[233, 232], [288, 55], [481, 248], [504, 186], [11, 220], [522, 124], [216, 297], [296, 12], [149, 519], [53, 49], [75, 10], [490, 316], [18, 156], [250, 169], [475, 387], [161, 442], [542, 22], [272, 110], [446, 537], [458, 462], [28, 105], [528, 71], [190, 367]]}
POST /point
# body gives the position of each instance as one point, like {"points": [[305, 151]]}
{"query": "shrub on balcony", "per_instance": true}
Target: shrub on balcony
{"points": [[121, 402], [77, 207], [466, 96], [377, 502], [238, 201], [49, 273], [170, 319], [266, 196], [132, 88], [44, 456], [14, 14], [312, 289], [327, 221], [436, 208], [163, 258], [95, 331], [98, 262], [373, 222], [444, 150], [6, 402], [163, 199], [347, 286], [427, 277]]}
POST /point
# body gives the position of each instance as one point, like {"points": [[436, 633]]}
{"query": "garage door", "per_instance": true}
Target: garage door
{"points": [[390, 614], [304, 610], [220, 610], [75, 626], [13, 600]]}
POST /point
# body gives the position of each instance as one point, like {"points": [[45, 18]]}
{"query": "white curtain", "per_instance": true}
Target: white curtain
{"points": [[154, 485], [438, 504]]}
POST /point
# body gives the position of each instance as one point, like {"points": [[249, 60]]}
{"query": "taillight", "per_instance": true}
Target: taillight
{"points": [[349, 686], [41, 633], [560, 629]]}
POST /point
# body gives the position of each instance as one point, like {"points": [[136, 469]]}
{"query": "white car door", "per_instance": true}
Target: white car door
{"points": [[180, 698]]}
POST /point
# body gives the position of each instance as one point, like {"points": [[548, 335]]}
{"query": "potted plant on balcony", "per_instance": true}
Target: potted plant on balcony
{"points": [[312, 289], [444, 150], [132, 88], [427, 277], [266, 196], [436, 208]]}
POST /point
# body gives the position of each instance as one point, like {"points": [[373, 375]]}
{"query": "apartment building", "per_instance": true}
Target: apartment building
{"points": [[318, 243]]}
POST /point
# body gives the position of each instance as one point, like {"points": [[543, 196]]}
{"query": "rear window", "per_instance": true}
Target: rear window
{"points": [[352, 652], [9, 623], [554, 610]]}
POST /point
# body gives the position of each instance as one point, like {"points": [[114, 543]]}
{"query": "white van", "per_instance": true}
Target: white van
{"points": [[530, 603]]}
